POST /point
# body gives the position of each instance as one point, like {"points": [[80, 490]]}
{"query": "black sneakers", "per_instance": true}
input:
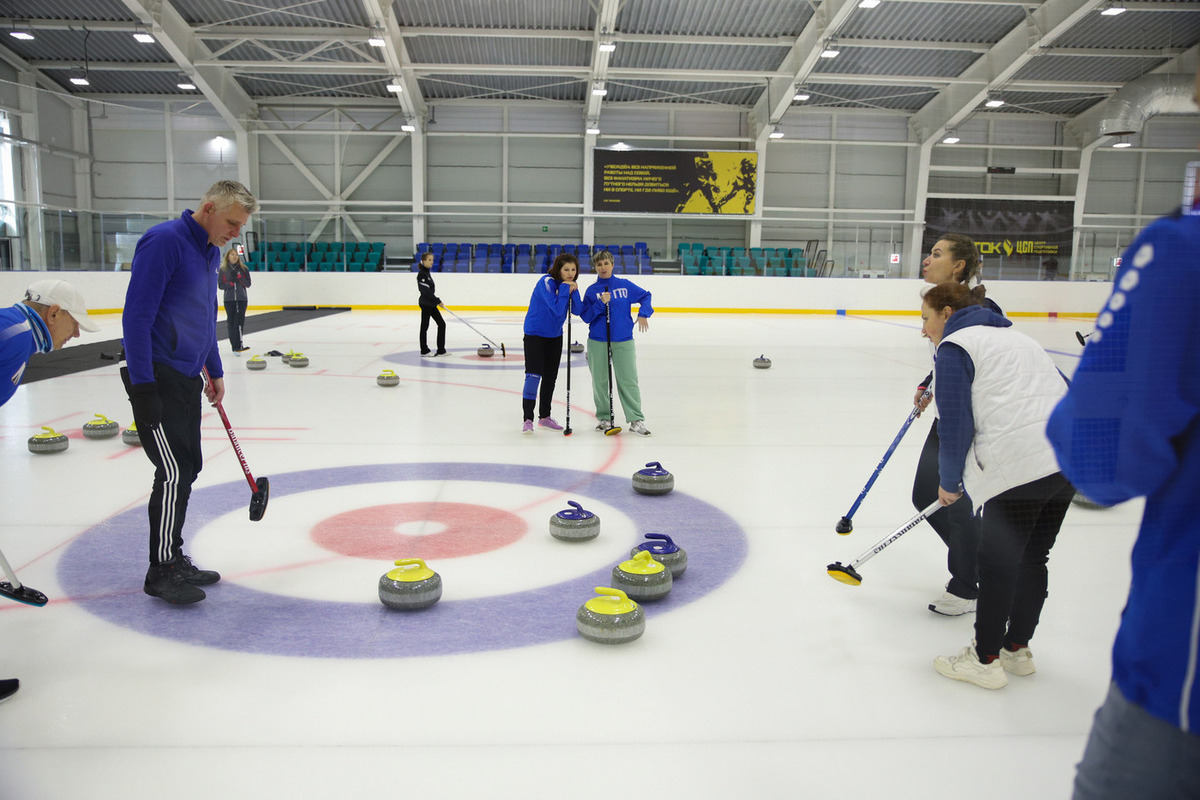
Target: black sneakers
{"points": [[170, 581], [8, 687], [193, 574]]}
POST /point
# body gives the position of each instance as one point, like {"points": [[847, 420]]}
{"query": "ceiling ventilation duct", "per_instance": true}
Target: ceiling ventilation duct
{"points": [[1126, 112]]}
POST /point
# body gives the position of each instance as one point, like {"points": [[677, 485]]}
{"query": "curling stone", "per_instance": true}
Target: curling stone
{"points": [[485, 351], [51, 441], [574, 524], [611, 618], [642, 578], [100, 428], [411, 585], [577, 347], [256, 362], [298, 360], [287, 357], [762, 362], [653, 480], [1083, 501], [664, 551], [388, 378], [130, 435]]}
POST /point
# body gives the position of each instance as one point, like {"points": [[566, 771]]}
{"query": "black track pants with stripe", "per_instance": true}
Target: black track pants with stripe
{"points": [[173, 447]]}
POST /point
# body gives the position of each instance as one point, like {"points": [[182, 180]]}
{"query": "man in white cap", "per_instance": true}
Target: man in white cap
{"points": [[51, 315]]}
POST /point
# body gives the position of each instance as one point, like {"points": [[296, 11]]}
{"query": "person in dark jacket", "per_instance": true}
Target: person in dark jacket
{"points": [[429, 302], [234, 278], [954, 257], [170, 337]]}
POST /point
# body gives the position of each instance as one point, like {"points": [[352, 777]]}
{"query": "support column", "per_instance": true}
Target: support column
{"points": [[419, 223], [81, 140], [31, 166], [589, 178]]}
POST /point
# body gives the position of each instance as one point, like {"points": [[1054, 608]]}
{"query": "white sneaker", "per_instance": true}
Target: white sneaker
{"points": [[604, 425], [637, 427], [951, 605], [1019, 662], [967, 667]]}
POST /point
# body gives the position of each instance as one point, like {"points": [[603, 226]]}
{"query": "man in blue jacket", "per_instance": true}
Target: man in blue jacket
{"points": [[170, 323], [51, 315], [621, 295], [1130, 427]]}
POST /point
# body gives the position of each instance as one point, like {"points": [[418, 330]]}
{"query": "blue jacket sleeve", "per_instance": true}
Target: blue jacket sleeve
{"points": [[591, 309], [956, 417], [641, 298], [1116, 431]]}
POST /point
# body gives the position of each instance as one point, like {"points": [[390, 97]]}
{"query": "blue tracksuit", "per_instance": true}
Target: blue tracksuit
{"points": [[548, 308], [170, 312], [22, 333], [625, 294], [1130, 426]]}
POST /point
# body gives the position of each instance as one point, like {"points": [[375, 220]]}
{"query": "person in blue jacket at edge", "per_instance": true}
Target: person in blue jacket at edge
{"points": [[554, 297], [170, 336], [1130, 427], [52, 314]]}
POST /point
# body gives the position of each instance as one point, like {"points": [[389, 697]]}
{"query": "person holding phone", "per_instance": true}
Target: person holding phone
{"points": [[234, 278]]}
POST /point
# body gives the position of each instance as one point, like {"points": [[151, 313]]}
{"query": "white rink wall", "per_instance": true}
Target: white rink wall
{"points": [[105, 292]]}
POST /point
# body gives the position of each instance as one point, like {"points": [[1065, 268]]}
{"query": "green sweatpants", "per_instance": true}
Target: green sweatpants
{"points": [[624, 356]]}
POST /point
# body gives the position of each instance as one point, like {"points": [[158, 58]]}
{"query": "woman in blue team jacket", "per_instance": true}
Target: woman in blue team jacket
{"points": [[556, 291]]}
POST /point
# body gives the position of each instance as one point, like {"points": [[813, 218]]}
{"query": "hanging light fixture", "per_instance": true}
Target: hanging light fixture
{"points": [[396, 86], [1113, 9], [376, 38], [950, 138], [776, 133], [22, 32], [1122, 143], [802, 95], [831, 49], [994, 101], [140, 35], [598, 90]]}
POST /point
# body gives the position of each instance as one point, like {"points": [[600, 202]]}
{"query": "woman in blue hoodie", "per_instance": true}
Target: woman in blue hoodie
{"points": [[555, 293], [995, 391], [619, 295]]}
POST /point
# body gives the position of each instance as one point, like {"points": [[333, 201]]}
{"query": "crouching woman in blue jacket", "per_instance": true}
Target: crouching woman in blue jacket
{"points": [[996, 389]]}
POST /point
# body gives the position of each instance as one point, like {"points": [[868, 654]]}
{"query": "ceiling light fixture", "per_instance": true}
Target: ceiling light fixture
{"points": [[22, 32], [140, 35], [187, 86], [994, 102], [395, 86], [951, 138], [831, 49], [408, 127], [592, 130], [775, 133], [801, 95], [598, 90], [1122, 142], [607, 47], [376, 39], [868, 3], [1113, 9], [80, 79]]}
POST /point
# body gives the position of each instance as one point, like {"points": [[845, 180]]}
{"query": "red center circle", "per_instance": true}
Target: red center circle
{"points": [[458, 529]]}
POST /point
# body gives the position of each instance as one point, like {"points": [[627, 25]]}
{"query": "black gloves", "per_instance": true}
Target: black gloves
{"points": [[147, 405]]}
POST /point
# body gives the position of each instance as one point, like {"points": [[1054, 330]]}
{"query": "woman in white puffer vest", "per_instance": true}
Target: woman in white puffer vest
{"points": [[996, 388]]}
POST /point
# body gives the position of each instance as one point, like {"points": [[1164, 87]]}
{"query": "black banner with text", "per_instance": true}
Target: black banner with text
{"points": [[1017, 229]]}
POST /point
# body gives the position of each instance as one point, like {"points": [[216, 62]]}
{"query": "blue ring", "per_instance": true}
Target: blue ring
{"points": [[103, 568]]}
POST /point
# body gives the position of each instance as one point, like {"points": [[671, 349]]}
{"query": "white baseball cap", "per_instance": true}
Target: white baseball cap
{"points": [[65, 296]]}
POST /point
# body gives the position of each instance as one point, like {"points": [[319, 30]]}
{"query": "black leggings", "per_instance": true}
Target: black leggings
{"points": [[431, 313], [542, 358], [956, 524], [235, 319], [1019, 528]]}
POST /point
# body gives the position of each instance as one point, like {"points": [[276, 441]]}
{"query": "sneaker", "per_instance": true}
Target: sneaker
{"points": [[527, 427], [1019, 662], [967, 667], [637, 427], [604, 425], [426, 352], [548, 422], [241, 349], [193, 574], [8, 687], [951, 605], [440, 353], [167, 581]]}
